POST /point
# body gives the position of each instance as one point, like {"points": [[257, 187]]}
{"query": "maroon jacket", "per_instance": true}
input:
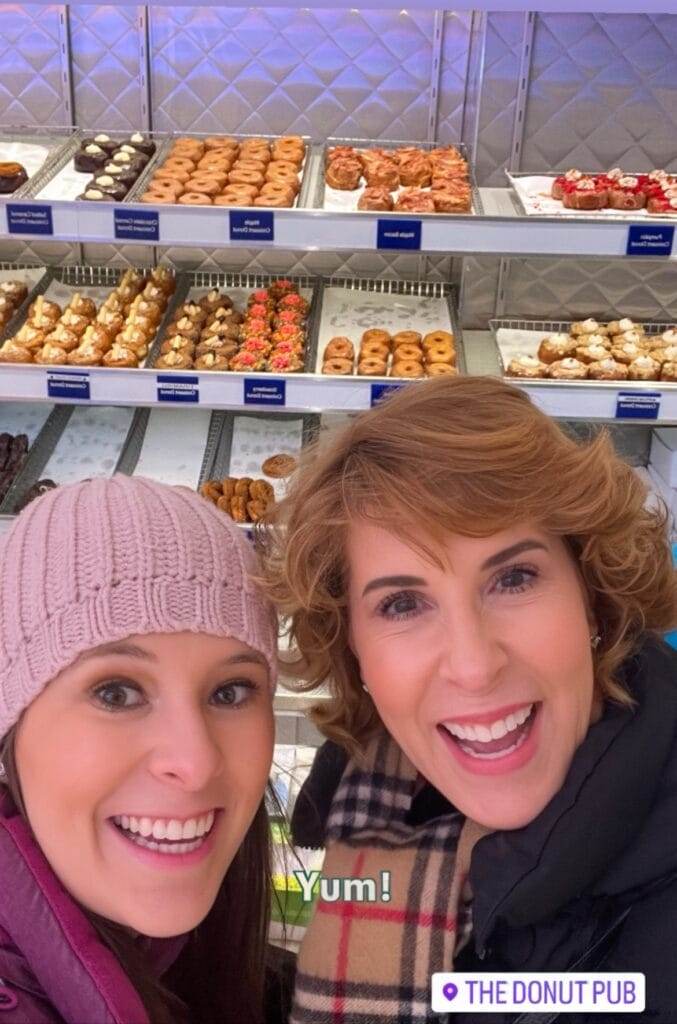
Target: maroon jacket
{"points": [[54, 969]]}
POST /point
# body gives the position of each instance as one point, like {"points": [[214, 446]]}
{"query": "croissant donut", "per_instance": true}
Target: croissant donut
{"points": [[205, 186], [338, 367], [442, 353], [170, 175], [438, 369], [406, 338], [290, 178], [217, 164], [407, 368], [416, 172], [375, 199], [438, 338], [416, 201], [344, 175], [283, 165], [372, 366], [245, 192], [339, 152], [375, 334], [374, 350], [246, 178], [408, 352], [195, 199], [382, 174], [274, 201], [179, 163], [221, 142], [278, 188], [340, 348], [231, 200]]}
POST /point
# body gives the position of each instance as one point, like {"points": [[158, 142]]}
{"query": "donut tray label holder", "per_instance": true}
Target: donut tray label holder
{"points": [[531, 193], [607, 400], [169, 448], [338, 201], [350, 306]]}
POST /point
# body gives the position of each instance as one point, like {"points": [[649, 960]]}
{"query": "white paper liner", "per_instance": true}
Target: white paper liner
{"points": [[344, 201], [30, 155], [90, 445], [255, 439], [534, 192], [30, 278], [174, 445], [349, 313], [24, 418], [67, 184]]}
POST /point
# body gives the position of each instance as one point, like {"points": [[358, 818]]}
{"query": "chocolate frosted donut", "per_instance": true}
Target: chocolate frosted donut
{"points": [[12, 176]]}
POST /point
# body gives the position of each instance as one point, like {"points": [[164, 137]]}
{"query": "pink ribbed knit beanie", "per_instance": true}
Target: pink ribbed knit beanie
{"points": [[99, 561]]}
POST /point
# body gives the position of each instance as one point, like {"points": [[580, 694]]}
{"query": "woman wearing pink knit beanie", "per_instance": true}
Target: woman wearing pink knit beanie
{"points": [[137, 667]]}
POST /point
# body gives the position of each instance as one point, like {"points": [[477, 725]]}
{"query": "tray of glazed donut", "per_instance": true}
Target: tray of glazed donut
{"points": [[75, 443], [91, 316], [616, 193], [26, 153], [239, 322], [225, 170], [98, 167], [404, 329], [396, 176], [614, 351], [253, 462]]}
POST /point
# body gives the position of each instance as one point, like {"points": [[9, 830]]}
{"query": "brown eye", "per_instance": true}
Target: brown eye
{"points": [[116, 696], [235, 695]]}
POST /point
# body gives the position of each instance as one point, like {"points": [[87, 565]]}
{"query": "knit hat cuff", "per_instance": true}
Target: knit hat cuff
{"points": [[119, 610]]}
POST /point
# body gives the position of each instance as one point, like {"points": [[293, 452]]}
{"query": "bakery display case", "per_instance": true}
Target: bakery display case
{"points": [[25, 155]]}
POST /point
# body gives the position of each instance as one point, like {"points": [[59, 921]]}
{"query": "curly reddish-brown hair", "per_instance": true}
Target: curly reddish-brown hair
{"points": [[470, 456]]}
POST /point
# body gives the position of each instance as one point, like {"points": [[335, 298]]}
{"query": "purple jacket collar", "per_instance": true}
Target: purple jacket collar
{"points": [[77, 973]]}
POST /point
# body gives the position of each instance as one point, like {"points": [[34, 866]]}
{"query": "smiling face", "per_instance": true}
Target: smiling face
{"points": [[142, 766], [481, 669]]}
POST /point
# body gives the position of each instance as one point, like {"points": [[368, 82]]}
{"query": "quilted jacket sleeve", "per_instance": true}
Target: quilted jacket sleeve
{"points": [[21, 999]]}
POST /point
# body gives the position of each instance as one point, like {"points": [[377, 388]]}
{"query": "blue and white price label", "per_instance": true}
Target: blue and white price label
{"points": [[650, 240], [264, 392], [177, 388], [398, 234], [33, 219], [137, 225], [381, 391], [638, 405], [252, 225], [70, 384]]}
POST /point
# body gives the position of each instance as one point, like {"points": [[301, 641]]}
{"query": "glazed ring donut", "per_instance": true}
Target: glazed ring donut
{"points": [[440, 354], [414, 352], [230, 200], [287, 140], [221, 142], [438, 369], [179, 163], [371, 366], [374, 350], [170, 175], [214, 162], [164, 193], [337, 367], [248, 192], [195, 199], [283, 165], [205, 186], [219, 176], [407, 368], [438, 338], [340, 348], [188, 140], [382, 337], [406, 338], [246, 178], [193, 153], [250, 164], [158, 198], [278, 190], [256, 151], [277, 201], [289, 149]]}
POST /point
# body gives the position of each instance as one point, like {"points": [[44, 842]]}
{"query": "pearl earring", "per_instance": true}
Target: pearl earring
{"points": [[365, 688], [595, 641], [3, 771]]}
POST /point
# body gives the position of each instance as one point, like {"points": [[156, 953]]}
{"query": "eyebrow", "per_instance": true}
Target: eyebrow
{"points": [[515, 549], [123, 648], [393, 581], [246, 658]]}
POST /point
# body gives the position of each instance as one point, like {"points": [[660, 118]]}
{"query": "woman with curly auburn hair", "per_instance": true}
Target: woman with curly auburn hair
{"points": [[484, 597]]}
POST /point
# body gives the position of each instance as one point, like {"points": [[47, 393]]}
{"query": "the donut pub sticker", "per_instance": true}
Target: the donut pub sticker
{"points": [[256, 226], [398, 234], [33, 219], [137, 225]]}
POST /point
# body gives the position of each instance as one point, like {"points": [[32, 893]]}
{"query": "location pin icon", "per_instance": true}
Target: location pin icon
{"points": [[450, 991]]}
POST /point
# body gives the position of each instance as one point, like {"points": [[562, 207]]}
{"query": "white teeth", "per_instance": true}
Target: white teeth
{"points": [[159, 830], [173, 849], [494, 755], [496, 730], [125, 821], [145, 826], [190, 829], [174, 830]]}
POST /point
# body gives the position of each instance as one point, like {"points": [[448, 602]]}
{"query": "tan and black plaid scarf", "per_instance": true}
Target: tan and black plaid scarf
{"points": [[372, 962]]}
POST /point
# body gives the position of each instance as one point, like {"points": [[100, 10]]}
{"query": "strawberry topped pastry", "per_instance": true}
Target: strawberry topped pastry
{"points": [[563, 181], [627, 194], [585, 194]]}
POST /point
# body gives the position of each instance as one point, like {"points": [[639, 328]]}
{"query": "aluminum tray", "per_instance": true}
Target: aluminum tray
{"points": [[208, 279], [220, 464], [385, 287], [320, 187], [78, 277], [563, 327], [592, 216], [133, 446], [15, 322], [58, 141], [37, 458], [62, 158], [162, 152]]}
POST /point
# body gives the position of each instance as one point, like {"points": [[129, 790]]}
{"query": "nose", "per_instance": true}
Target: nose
{"points": [[473, 653], [185, 749]]}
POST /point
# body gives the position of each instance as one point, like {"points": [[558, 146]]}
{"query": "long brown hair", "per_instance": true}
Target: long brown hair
{"points": [[219, 977], [470, 456]]}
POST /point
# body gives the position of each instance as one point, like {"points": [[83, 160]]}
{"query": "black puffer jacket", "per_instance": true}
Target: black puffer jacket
{"points": [[591, 884]]}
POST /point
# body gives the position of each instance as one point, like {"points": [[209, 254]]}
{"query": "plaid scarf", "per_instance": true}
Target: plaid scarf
{"points": [[371, 962]]}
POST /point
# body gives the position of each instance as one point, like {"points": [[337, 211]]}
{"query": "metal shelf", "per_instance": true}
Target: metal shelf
{"points": [[500, 231]]}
